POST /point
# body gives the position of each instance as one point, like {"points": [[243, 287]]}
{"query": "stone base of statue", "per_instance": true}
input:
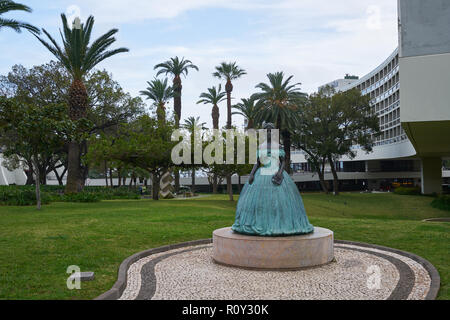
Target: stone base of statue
{"points": [[290, 252]]}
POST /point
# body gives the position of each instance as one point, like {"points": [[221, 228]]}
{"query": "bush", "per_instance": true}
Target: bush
{"points": [[81, 197], [106, 193], [441, 202], [26, 195], [16, 196], [407, 191]]}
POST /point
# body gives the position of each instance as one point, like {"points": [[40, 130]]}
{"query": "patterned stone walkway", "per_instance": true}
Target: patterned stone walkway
{"points": [[360, 271]]}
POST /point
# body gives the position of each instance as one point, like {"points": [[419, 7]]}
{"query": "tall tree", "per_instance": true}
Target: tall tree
{"points": [[144, 143], [214, 96], [331, 124], [191, 124], [79, 56], [248, 108], [160, 92], [49, 84], [7, 6], [34, 132], [280, 102], [176, 68], [229, 72]]}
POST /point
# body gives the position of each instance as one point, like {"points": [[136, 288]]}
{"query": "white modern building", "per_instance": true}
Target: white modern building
{"points": [[7, 177], [410, 93]]}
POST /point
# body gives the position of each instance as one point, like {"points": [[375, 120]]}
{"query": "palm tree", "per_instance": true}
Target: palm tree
{"points": [[192, 124], [176, 68], [280, 102], [79, 57], [229, 71], [249, 110], [8, 5], [160, 92], [213, 96]]}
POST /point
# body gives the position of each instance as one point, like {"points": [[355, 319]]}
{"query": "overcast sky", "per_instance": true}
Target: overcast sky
{"points": [[316, 41]]}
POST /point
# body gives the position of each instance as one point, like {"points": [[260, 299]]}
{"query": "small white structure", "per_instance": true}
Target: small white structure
{"points": [[7, 177]]}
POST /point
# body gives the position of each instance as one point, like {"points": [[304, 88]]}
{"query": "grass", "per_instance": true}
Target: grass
{"points": [[36, 247]]}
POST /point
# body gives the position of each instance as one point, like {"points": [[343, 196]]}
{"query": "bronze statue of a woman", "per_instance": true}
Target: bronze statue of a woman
{"points": [[270, 203]]}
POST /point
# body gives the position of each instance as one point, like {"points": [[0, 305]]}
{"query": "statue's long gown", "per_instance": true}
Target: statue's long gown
{"points": [[266, 209]]}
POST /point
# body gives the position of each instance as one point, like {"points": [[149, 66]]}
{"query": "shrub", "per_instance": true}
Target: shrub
{"points": [[407, 191], [81, 197], [25, 195], [16, 196], [441, 202]]}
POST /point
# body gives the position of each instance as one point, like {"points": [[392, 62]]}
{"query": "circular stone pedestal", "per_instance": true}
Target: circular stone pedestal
{"points": [[291, 252]]}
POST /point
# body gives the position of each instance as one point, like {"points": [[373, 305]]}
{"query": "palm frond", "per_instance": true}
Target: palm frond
{"points": [[79, 56]]}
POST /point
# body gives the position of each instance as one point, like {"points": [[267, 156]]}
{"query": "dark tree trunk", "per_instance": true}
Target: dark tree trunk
{"points": [[286, 135], [161, 113], [177, 87], [239, 184], [73, 184], [78, 102], [229, 187], [193, 181], [215, 186], [321, 172], [335, 176], [215, 116], [29, 173], [155, 186], [84, 169], [106, 173], [38, 187], [229, 89], [111, 182]]}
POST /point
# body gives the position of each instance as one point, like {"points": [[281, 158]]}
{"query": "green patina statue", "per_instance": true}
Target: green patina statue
{"points": [[270, 203]]}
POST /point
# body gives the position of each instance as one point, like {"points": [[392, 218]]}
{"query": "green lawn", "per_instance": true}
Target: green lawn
{"points": [[36, 247]]}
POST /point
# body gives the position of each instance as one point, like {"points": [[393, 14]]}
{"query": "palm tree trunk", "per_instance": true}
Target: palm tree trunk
{"points": [[78, 102], [229, 89], [177, 87], [73, 184], [239, 184], [193, 181], [177, 100], [215, 186], [215, 116], [287, 149], [161, 113]]}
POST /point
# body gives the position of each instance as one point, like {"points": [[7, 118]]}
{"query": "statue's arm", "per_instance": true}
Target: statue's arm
{"points": [[278, 177], [252, 174]]}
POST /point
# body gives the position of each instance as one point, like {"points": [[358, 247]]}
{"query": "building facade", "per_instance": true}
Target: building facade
{"points": [[410, 94]]}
